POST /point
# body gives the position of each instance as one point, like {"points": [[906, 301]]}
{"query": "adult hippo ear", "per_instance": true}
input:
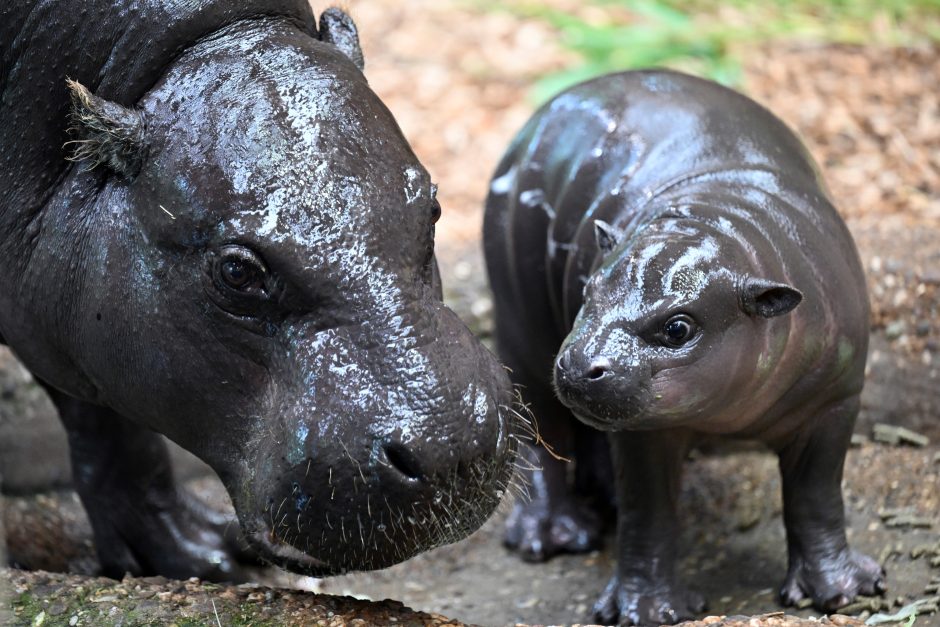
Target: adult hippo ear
{"points": [[607, 236], [106, 133], [768, 299], [337, 28]]}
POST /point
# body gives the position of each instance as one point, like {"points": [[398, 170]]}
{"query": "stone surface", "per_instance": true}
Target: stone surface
{"points": [[39, 598]]}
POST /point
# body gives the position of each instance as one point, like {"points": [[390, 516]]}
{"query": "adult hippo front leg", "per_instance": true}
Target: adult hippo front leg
{"points": [[645, 589], [822, 567], [142, 523]]}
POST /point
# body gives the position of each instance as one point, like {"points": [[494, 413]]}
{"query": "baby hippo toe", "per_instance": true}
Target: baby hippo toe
{"points": [[538, 530], [633, 603], [835, 582]]}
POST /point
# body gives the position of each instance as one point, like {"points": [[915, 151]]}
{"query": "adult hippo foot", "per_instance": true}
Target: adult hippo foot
{"points": [[539, 529], [626, 603], [174, 535], [834, 582], [143, 523]]}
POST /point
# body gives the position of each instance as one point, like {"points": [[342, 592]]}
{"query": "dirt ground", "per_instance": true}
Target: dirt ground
{"points": [[457, 81], [733, 545]]}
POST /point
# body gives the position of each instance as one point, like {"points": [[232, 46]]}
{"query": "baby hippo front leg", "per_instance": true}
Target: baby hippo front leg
{"points": [[645, 589], [822, 567]]}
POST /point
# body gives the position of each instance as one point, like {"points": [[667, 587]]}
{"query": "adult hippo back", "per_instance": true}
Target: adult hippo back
{"points": [[236, 250], [673, 244]]}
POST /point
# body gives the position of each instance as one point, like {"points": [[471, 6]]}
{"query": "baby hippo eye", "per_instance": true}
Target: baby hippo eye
{"points": [[678, 330]]}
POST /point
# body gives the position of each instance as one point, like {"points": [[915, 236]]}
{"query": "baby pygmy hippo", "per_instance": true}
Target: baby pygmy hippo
{"points": [[668, 248]]}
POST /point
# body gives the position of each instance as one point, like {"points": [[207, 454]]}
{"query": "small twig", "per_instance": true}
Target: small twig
{"points": [[217, 621]]}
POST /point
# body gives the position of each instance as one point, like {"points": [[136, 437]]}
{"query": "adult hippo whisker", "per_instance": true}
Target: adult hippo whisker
{"points": [[518, 488], [526, 420]]}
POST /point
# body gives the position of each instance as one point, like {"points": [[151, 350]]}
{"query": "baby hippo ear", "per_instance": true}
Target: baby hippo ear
{"points": [[767, 299], [337, 28], [106, 133], [607, 236]]}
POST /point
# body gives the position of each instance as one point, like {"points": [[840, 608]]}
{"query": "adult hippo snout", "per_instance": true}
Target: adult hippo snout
{"points": [[393, 441]]}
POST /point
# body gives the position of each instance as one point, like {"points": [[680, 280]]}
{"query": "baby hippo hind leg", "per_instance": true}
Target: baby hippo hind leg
{"points": [[553, 519], [822, 567], [645, 589], [142, 524], [594, 473]]}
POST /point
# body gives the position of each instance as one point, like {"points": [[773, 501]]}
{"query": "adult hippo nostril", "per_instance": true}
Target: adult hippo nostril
{"points": [[404, 461]]}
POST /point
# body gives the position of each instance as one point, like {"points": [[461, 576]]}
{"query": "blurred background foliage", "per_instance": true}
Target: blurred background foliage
{"points": [[711, 37]]}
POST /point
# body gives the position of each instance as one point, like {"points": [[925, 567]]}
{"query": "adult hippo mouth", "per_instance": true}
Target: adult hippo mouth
{"points": [[405, 512], [368, 497]]}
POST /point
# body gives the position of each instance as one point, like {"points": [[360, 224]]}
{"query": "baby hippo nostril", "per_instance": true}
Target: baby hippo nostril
{"points": [[599, 368], [563, 369], [403, 460]]}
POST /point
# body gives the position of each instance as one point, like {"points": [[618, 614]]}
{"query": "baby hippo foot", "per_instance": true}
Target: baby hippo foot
{"points": [[833, 582], [538, 530], [631, 603]]}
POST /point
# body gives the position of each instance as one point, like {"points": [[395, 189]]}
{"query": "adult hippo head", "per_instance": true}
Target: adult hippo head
{"points": [[244, 262]]}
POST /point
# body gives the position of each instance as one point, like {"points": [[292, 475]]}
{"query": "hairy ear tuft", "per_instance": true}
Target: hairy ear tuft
{"points": [[337, 28], [105, 132], [768, 299]]}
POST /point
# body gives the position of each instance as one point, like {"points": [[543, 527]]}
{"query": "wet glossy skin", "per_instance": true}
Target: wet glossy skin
{"points": [[255, 279], [673, 243]]}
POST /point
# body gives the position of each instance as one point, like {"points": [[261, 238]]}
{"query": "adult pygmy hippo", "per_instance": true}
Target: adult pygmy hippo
{"points": [[673, 243], [239, 256]]}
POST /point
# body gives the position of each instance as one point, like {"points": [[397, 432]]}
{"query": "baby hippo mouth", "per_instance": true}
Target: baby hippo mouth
{"points": [[348, 507], [599, 393]]}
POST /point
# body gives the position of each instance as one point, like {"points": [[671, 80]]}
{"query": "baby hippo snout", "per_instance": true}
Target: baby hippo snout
{"points": [[600, 390]]}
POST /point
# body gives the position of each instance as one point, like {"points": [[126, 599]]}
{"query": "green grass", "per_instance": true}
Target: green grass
{"points": [[710, 37]]}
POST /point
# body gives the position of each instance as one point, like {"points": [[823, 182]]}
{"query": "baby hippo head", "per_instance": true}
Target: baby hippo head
{"points": [[273, 303], [673, 324]]}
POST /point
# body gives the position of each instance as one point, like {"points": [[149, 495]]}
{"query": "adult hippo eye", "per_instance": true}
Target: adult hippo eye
{"points": [[678, 330], [239, 269], [427, 263], [435, 205], [236, 273], [239, 283]]}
